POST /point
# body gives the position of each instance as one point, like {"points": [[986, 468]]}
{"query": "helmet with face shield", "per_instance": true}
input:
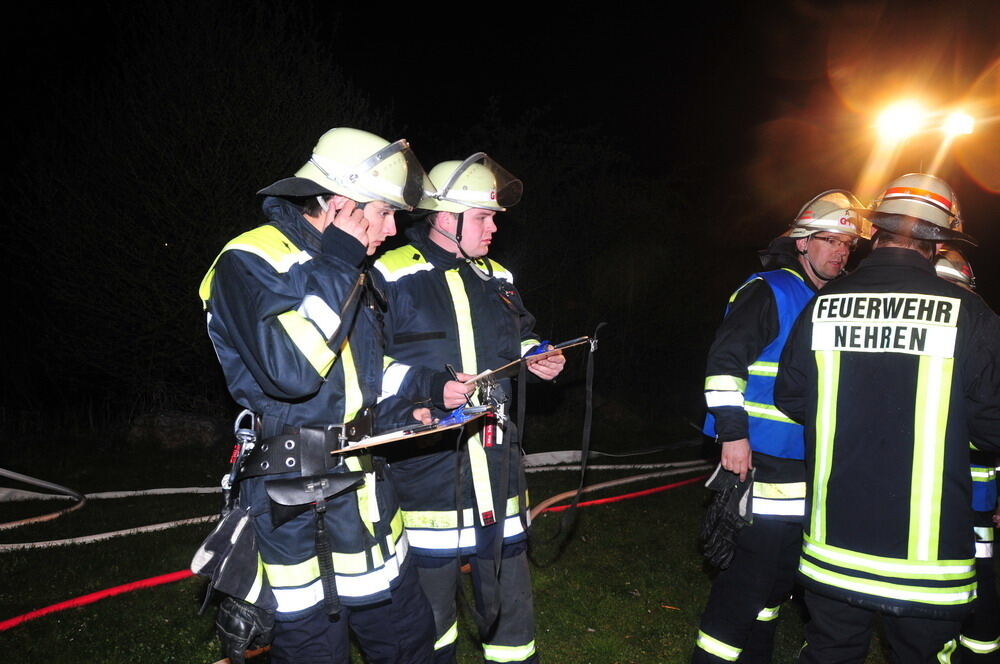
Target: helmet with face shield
{"points": [[360, 166], [476, 182]]}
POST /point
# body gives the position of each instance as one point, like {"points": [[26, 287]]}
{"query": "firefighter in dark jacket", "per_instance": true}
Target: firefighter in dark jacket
{"points": [[738, 622], [464, 497], [893, 371], [296, 329], [980, 636]]}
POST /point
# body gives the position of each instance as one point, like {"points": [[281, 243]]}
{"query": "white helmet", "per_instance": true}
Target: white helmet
{"points": [[833, 211], [950, 264], [361, 166], [922, 206], [477, 182]]}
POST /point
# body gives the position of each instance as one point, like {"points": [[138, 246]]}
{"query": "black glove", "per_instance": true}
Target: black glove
{"points": [[730, 510], [240, 626]]}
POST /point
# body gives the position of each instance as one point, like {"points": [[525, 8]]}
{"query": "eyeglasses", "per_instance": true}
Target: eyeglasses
{"points": [[836, 242]]}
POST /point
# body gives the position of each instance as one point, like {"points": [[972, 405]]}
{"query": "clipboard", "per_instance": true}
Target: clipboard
{"points": [[458, 417], [512, 368]]}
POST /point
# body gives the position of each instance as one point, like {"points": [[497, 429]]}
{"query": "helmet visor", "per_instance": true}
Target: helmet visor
{"points": [[479, 181], [393, 174]]}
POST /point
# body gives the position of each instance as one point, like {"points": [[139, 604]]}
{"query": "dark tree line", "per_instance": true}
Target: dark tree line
{"points": [[143, 159]]}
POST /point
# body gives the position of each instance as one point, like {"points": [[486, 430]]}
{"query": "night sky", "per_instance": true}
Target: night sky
{"points": [[739, 112]]}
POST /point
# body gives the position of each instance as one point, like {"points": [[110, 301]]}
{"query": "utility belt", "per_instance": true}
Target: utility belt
{"points": [[321, 475], [310, 450]]}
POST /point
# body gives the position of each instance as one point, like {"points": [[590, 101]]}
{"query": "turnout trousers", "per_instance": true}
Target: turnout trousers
{"points": [[739, 620], [980, 639], [397, 631], [512, 639], [839, 633]]}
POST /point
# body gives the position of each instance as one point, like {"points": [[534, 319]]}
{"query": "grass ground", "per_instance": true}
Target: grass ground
{"points": [[626, 587]]}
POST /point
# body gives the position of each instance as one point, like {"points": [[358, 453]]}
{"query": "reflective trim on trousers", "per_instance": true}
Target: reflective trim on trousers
{"points": [[713, 646], [980, 647], [492, 653], [793, 507], [291, 600], [768, 613], [448, 539], [984, 549], [448, 638]]}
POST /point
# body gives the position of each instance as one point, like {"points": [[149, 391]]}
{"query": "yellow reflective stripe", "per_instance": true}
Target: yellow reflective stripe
{"points": [[828, 368], [980, 647], [766, 412], [494, 653], [449, 637], [266, 242], [763, 369], [736, 292], [930, 422], [307, 571], [768, 613], [481, 479], [528, 344], [713, 646], [353, 398], [983, 533], [258, 583], [944, 657], [779, 490], [467, 346], [925, 594], [725, 384], [463, 316], [448, 519], [983, 474], [367, 501], [898, 567], [308, 340]]}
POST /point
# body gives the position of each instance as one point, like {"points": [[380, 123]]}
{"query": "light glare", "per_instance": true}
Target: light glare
{"points": [[901, 120], [958, 124]]}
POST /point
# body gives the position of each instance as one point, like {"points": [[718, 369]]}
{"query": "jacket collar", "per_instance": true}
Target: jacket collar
{"points": [[419, 235], [287, 217], [897, 256]]}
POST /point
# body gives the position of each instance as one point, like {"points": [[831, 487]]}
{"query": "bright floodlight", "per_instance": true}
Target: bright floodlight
{"points": [[901, 120], [958, 123]]}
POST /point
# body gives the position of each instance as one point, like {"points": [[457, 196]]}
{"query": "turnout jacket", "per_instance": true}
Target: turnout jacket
{"points": [[893, 371], [441, 312], [273, 300], [739, 382]]}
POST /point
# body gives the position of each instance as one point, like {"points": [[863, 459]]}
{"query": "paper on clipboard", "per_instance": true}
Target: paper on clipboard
{"points": [[459, 417], [511, 368]]}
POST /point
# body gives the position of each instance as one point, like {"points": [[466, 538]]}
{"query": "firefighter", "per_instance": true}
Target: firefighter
{"points": [[757, 439], [464, 497], [296, 328], [980, 636], [893, 371]]}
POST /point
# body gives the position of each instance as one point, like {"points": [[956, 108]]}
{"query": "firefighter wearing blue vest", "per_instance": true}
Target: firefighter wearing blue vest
{"points": [[464, 497], [980, 638], [759, 441], [296, 327], [893, 371]]}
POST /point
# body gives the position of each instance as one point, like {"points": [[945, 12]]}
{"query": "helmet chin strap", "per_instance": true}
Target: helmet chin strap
{"points": [[486, 274], [812, 269]]}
